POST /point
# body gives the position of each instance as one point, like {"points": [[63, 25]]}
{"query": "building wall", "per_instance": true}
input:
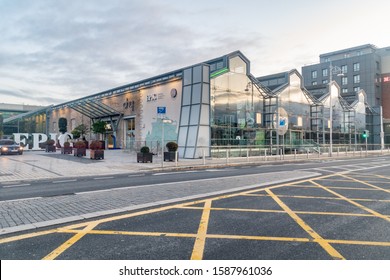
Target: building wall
{"points": [[386, 95], [369, 74]]}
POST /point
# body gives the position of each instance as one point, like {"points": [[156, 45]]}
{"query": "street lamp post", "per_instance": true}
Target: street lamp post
{"points": [[337, 70], [163, 120]]}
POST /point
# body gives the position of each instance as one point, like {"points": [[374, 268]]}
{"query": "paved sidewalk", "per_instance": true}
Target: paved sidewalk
{"points": [[34, 165]]}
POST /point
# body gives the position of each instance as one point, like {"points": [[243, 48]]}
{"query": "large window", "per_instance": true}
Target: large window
{"points": [[344, 68], [356, 79], [356, 66], [314, 74], [344, 81], [325, 72]]}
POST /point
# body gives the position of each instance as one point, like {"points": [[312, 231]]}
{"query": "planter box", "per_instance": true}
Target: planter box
{"points": [[170, 156], [144, 157], [66, 150], [97, 154], [79, 152], [51, 148]]}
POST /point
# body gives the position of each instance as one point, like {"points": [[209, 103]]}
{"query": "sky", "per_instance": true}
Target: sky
{"points": [[53, 51]]}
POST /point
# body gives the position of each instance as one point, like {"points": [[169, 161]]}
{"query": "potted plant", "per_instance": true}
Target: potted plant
{"points": [[145, 155], [99, 127], [171, 154], [79, 149], [50, 146], [97, 151], [66, 149]]}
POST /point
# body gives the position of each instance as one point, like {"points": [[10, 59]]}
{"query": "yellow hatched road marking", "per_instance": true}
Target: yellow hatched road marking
{"points": [[319, 197], [283, 212], [324, 244], [368, 184], [66, 245], [355, 203], [229, 236], [200, 241]]}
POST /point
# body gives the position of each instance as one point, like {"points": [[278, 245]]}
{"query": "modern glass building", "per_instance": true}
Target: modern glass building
{"points": [[213, 104], [15, 118]]}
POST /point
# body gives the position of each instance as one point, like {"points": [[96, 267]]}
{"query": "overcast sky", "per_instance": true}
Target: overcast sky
{"points": [[52, 51]]}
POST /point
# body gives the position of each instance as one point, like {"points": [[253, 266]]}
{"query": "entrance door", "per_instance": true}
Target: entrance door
{"points": [[130, 133]]}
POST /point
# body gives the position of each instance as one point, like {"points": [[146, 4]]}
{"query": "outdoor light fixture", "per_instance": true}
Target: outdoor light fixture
{"points": [[336, 70]]}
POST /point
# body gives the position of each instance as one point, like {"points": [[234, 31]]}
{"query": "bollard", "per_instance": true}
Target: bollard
{"points": [[265, 155], [227, 156], [307, 153], [338, 150], [176, 157], [295, 153], [204, 157], [247, 155]]}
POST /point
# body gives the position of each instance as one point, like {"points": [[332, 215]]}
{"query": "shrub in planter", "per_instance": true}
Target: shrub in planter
{"points": [[97, 151], [50, 145], [66, 149], [145, 155], [79, 149], [171, 154]]}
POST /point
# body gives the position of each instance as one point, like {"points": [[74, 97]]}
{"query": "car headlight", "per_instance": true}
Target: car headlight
{"points": [[20, 148], [4, 148]]}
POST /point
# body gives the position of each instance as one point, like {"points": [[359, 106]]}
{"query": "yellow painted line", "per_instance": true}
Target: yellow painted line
{"points": [[66, 245], [333, 180], [236, 237], [283, 212], [190, 235], [355, 203], [325, 245], [319, 197], [259, 238], [384, 177], [368, 184], [135, 233], [25, 236], [360, 242], [200, 241]]}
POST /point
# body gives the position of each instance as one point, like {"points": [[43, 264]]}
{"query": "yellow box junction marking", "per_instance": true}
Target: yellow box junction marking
{"points": [[354, 203], [324, 244]]}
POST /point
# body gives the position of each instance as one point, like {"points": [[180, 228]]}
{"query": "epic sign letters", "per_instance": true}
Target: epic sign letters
{"points": [[38, 138]]}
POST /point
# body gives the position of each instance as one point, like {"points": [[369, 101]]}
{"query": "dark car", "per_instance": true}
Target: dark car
{"points": [[8, 147]]}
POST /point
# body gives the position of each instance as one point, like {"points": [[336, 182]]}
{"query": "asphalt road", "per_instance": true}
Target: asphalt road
{"points": [[342, 214], [72, 185]]}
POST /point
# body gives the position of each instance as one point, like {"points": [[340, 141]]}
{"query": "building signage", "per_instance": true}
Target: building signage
{"points": [[39, 138], [161, 110], [129, 104], [151, 97]]}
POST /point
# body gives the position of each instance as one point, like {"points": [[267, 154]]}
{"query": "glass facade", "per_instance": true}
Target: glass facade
{"points": [[236, 107]]}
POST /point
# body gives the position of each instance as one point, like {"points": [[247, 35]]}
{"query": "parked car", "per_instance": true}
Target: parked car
{"points": [[8, 147]]}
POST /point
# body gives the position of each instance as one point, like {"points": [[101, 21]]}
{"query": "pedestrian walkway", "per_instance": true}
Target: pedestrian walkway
{"points": [[35, 165]]}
